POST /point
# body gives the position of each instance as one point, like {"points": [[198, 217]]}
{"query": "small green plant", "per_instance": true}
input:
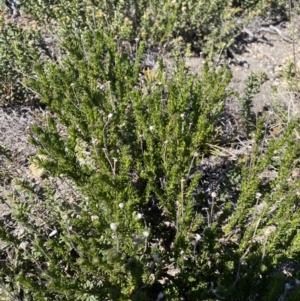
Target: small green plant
{"points": [[253, 85], [268, 194], [290, 77], [16, 59]]}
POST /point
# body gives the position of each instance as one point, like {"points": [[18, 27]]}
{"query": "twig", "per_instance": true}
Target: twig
{"points": [[240, 62], [219, 57], [33, 91], [293, 39], [255, 38], [105, 147], [283, 36], [214, 291]]}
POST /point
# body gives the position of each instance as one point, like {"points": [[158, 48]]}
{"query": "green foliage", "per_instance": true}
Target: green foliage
{"points": [[253, 85], [8, 87], [206, 25], [129, 143], [17, 56], [202, 26], [267, 200], [121, 140], [115, 132]]}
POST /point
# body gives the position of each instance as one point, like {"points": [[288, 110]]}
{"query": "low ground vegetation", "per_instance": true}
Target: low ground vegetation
{"points": [[150, 187]]}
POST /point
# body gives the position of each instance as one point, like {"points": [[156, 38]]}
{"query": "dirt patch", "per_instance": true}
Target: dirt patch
{"points": [[267, 52]]}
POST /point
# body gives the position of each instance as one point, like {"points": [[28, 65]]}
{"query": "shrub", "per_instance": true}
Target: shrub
{"points": [[129, 143], [203, 25], [11, 88], [200, 26], [125, 211]]}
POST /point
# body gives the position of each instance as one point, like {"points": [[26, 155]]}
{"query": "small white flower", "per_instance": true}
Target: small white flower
{"points": [[181, 252], [197, 237], [114, 226], [81, 161], [110, 115], [166, 142], [139, 215], [213, 195], [146, 234], [160, 296], [258, 195], [196, 154], [182, 115], [151, 128], [94, 141], [260, 207], [121, 205], [86, 153], [53, 233], [100, 86]]}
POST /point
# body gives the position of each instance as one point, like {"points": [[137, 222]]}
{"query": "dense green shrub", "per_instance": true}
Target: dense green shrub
{"points": [[136, 221], [132, 226], [130, 143]]}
